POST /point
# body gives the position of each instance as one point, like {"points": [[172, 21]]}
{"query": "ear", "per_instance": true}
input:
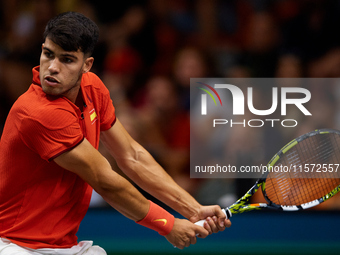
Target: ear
{"points": [[88, 64]]}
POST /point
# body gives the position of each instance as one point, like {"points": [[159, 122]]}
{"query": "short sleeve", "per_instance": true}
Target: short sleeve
{"points": [[51, 134]]}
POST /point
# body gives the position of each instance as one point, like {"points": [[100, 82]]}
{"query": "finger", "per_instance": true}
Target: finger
{"points": [[222, 223], [180, 246], [227, 223], [201, 232], [193, 239], [215, 225], [220, 214], [207, 225]]}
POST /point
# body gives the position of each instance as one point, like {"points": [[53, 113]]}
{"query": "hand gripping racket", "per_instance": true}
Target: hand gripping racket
{"points": [[303, 174]]}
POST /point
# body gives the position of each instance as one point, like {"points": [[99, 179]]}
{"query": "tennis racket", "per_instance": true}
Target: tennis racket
{"points": [[303, 174]]}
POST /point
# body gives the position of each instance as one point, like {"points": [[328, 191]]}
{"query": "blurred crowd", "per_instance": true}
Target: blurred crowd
{"points": [[149, 50]]}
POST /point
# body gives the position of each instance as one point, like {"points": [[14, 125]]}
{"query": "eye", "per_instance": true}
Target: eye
{"points": [[67, 60], [48, 54]]}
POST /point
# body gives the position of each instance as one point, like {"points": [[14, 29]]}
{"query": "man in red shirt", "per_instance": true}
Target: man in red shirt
{"points": [[49, 160]]}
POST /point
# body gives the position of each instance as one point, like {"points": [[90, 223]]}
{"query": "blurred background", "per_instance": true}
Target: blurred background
{"points": [[147, 53]]}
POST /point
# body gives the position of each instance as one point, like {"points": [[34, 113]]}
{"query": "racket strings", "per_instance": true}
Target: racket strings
{"points": [[311, 171], [298, 191]]}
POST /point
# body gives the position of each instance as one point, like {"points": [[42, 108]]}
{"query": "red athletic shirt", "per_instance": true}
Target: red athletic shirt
{"points": [[42, 204]]}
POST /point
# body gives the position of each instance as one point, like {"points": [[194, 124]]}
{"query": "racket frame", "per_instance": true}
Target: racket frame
{"points": [[242, 205]]}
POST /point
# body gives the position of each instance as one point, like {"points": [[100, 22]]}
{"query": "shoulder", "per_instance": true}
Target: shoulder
{"points": [[94, 88], [53, 113], [92, 80]]}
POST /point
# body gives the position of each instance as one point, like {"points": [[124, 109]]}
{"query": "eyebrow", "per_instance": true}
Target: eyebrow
{"points": [[63, 54]]}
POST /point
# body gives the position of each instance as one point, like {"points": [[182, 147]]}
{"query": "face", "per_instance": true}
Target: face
{"points": [[61, 71]]}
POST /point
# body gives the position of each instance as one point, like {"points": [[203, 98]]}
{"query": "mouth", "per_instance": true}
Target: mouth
{"points": [[50, 80]]}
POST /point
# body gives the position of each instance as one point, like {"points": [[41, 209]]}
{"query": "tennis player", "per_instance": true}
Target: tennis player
{"points": [[49, 162]]}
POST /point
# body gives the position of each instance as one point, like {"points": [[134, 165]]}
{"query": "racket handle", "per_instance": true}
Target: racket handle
{"points": [[225, 211]]}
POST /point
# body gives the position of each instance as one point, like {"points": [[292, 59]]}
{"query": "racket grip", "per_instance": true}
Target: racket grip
{"points": [[225, 211]]}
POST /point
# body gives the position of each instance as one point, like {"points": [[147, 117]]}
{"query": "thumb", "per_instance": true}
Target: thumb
{"points": [[222, 216]]}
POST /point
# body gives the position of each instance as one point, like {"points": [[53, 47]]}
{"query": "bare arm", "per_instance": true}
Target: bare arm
{"points": [[140, 166], [85, 161]]}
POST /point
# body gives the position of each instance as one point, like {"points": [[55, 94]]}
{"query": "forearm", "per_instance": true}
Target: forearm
{"points": [[151, 177], [123, 196], [140, 166], [92, 167]]}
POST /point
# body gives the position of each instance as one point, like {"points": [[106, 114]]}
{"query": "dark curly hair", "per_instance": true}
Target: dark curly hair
{"points": [[73, 31]]}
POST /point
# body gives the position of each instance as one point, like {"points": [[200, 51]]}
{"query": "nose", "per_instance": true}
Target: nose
{"points": [[54, 66]]}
